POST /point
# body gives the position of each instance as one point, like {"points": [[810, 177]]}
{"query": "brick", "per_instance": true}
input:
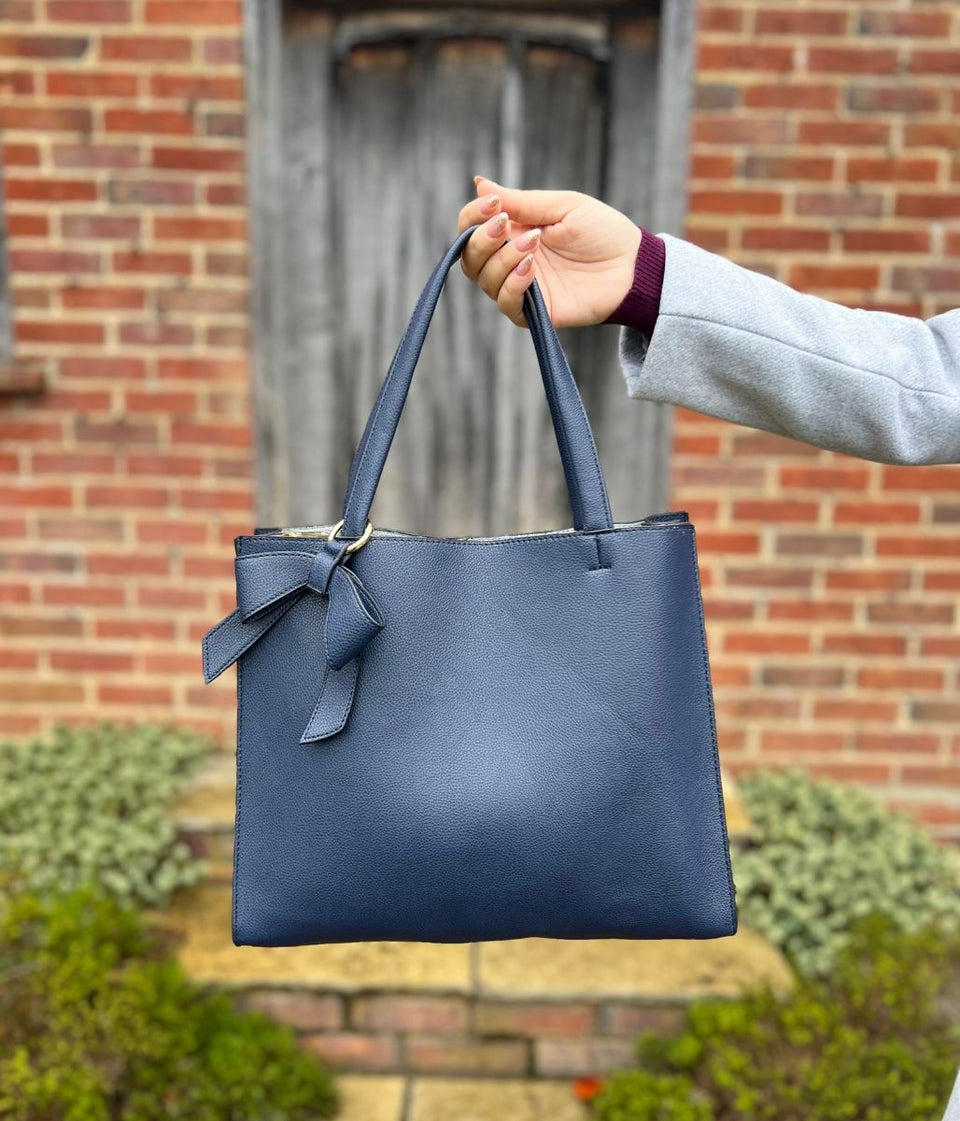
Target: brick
{"points": [[133, 695], [844, 132], [126, 564], [897, 743], [53, 261], [870, 513], [785, 238], [90, 661], [96, 155], [926, 279], [759, 642], [92, 84], [719, 19], [104, 297], [135, 630], [743, 56], [740, 130], [769, 443], [225, 264], [513, 1019], [96, 227], [89, 11], [304, 1011], [711, 541], [21, 155], [921, 479], [37, 626], [838, 205], [819, 544], [215, 13], [810, 610], [223, 124], [114, 432], [155, 333], [824, 478], [83, 528], [176, 264], [803, 676], [811, 276], [220, 50], [145, 48], [945, 62], [571, 1058], [121, 495], [43, 46], [869, 645], [852, 60], [227, 194], [773, 21], [199, 229], [737, 202], [167, 597], [354, 1050], [767, 577], [33, 691], [429, 1054], [918, 547], [61, 332], [205, 87], [82, 595], [793, 96], [847, 709], [944, 775], [937, 711], [911, 205], [197, 159], [892, 99], [409, 1013], [103, 367], [146, 121], [788, 167], [886, 241], [933, 134], [27, 225], [852, 772], [714, 95], [907, 24], [802, 742]]}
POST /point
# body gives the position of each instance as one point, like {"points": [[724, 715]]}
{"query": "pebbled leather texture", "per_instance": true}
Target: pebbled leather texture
{"points": [[520, 742]]}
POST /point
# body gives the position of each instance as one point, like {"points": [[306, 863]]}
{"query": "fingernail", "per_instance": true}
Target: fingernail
{"points": [[477, 178], [530, 239], [525, 265], [496, 226], [490, 203]]}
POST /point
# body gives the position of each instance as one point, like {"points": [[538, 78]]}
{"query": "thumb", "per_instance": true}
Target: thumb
{"points": [[529, 208]]}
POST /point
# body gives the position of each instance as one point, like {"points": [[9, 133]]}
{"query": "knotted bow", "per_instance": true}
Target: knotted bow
{"points": [[268, 585]]}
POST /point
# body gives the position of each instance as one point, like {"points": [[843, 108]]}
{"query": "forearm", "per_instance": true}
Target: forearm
{"points": [[735, 344]]}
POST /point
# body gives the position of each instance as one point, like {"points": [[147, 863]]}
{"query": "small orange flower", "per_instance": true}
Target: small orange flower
{"points": [[586, 1089]]}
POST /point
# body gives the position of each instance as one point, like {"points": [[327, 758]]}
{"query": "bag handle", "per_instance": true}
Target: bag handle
{"points": [[578, 453]]}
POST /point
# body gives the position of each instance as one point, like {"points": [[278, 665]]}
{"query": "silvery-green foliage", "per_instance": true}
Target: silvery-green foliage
{"points": [[88, 804], [821, 855]]}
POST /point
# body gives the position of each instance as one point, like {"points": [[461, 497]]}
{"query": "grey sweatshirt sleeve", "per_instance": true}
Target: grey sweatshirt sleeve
{"points": [[738, 345]]}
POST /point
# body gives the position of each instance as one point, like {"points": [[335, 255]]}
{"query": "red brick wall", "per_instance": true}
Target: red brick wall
{"points": [[124, 485], [822, 155]]}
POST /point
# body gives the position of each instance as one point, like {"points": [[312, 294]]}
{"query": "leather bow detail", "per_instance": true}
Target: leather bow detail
{"points": [[268, 585]]}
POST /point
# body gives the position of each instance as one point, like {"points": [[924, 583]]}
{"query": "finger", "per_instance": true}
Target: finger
{"points": [[483, 243], [500, 264], [478, 210], [531, 208], [510, 297]]}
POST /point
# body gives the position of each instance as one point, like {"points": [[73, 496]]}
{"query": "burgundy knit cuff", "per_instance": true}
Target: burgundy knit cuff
{"points": [[641, 305]]}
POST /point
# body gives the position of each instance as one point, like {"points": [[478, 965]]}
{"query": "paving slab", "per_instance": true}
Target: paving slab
{"points": [[371, 1097], [474, 1099], [658, 970], [202, 915]]}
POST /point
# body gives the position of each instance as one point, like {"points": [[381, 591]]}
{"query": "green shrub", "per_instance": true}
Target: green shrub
{"points": [[821, 855], [98, 1022], [87, 804], [869, 1043]]}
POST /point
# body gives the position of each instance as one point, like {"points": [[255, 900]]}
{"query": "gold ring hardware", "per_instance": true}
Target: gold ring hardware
{"points": [[360, 541]]}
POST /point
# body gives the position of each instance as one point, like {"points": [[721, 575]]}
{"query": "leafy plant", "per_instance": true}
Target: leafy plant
{"points": [[872, 1042], [98, 1022], [821, 856], [87, 804]]}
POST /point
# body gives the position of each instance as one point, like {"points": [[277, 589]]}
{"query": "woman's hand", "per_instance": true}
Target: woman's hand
{"points": [[581, 251]]}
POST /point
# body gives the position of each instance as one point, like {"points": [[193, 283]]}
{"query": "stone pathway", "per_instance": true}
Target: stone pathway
{"points": [[388, 1098]]}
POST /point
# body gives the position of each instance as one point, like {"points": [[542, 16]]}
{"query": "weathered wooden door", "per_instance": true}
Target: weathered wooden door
{"points": [[367, 126]]}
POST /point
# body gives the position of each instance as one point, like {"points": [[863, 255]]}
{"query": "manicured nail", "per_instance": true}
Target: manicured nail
{"points": [[525, 265], [496, 226], [477, 178], [530, 240], [490, 203]]}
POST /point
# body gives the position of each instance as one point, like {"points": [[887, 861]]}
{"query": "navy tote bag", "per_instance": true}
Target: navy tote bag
{"points": [[462, 739]]}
